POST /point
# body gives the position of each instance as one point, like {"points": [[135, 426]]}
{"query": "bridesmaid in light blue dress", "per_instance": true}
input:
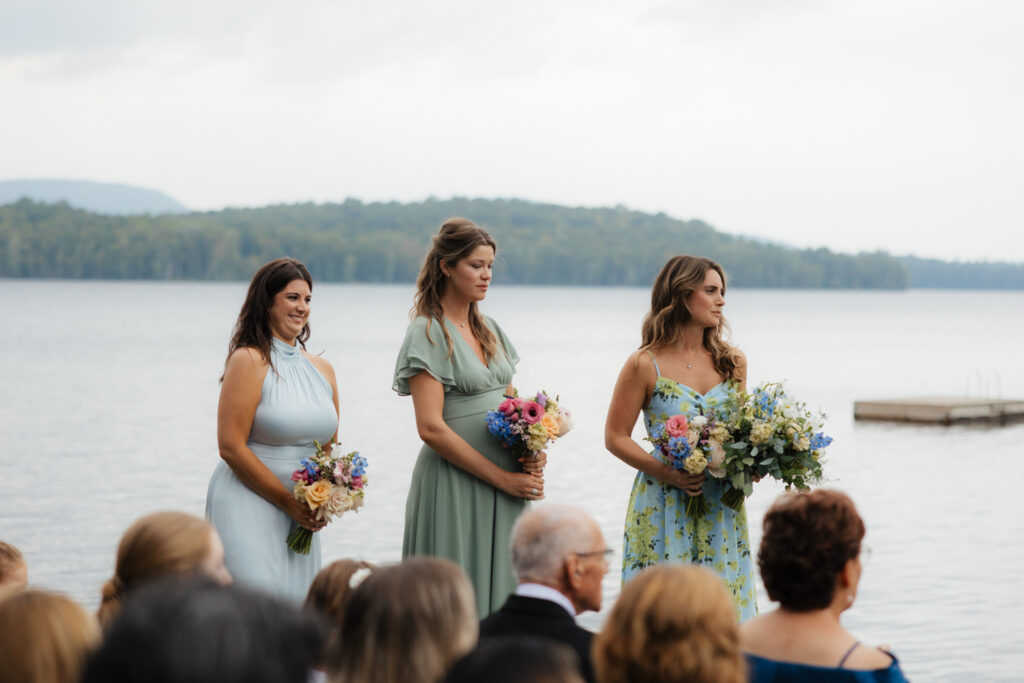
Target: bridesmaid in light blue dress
{"points": [[683, 367], [275, 400]]}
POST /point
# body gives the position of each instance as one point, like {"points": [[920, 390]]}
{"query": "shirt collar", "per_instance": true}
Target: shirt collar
{"points": [[536, 590]]}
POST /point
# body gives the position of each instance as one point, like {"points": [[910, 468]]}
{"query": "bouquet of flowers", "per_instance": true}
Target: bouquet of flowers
{"points": [[772, 435], [693, 444], [528, 425], [331, 485]]}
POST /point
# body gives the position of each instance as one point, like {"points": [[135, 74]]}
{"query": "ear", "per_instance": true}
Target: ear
{"points": [[573, 572], [444, 267]]}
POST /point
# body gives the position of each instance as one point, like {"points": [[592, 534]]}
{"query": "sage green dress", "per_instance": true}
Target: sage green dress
{"points": [[449, 512]]}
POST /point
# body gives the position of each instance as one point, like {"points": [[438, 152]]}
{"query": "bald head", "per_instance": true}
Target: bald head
{"points": [[544, 535]]}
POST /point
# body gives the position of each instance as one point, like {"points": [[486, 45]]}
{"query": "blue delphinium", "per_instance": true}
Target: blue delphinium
{"points": [[819, 441], [498, 425]]}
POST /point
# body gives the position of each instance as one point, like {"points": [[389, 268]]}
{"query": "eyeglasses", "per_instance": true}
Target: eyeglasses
{"points": [[607, 553]]}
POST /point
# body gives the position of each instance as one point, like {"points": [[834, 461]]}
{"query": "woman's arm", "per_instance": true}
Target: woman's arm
{"points": [[239, 396], [632, 391], [428, 402]]}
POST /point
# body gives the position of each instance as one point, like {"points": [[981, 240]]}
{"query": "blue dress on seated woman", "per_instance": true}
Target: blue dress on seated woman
{"points": [[764, 670]]}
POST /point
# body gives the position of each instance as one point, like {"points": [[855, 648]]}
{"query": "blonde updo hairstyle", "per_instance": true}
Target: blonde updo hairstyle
{"points": [[680, 277], [158, 544], [44, 637], [671, 623], [405, 622], [456, 240]]}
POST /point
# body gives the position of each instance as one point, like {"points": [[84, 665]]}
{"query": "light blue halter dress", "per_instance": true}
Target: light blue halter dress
{"points": [[296, 406], [657, 527]]}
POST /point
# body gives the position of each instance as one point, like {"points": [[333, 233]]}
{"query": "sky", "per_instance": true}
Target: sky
{"points": [[858, 126]]}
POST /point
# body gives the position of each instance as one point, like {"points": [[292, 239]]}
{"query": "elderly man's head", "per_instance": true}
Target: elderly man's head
{"points": [[561, 546]]}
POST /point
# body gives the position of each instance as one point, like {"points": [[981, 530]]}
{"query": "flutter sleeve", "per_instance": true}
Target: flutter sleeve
{"points": [[510, 351], [423, 351]]}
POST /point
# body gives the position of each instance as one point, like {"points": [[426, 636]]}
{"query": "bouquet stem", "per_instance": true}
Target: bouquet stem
{"points": [[300, 540], [696, 506], [734, 499]]}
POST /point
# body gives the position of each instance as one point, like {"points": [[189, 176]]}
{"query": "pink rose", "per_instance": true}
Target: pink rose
{"points": [[677, 425], [532, 412], [356, 483], [507, 407]]}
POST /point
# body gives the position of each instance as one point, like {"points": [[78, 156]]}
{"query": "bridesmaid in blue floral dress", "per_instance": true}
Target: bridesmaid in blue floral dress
{"points": [[683, 366]]}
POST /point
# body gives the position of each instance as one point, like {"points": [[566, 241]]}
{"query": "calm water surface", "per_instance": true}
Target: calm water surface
{"points": [[108, 395]]}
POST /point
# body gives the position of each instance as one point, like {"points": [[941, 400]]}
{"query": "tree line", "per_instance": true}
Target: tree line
{"points": [[384, 242]]}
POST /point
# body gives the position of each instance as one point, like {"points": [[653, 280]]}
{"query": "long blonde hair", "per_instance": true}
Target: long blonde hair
{"points": [[680, 277], [44, 637], [456, 239], [155, 545], [671, 623], [406, 622]]}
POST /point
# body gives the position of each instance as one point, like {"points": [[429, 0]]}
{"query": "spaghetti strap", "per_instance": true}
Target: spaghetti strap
{"points": [[848, 653], [656, 369]]}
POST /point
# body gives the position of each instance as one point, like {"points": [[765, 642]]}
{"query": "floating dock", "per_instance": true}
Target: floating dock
{"points": [[941, 410]]}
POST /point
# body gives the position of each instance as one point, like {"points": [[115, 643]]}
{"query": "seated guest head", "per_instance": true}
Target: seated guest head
{"points": [[809, 551], [160, 544], [44, 637], [405, 622], [184, 629], [671, 623], [810, 564], [332, 585], [13, 570], [561, 547], [517, 660]]}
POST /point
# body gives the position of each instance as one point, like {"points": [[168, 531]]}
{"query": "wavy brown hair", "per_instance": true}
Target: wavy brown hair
{"points": [[456, 239], [406, 622], [808, 539], [672, 622], [158, 544], [252, 329], [680, 277]]}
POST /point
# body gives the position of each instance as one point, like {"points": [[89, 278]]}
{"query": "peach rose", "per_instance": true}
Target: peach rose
{"points": [[317, 493], [550, 423]]}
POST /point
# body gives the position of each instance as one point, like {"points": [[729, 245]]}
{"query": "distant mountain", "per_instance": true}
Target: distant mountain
{"points": [[105, 198]]}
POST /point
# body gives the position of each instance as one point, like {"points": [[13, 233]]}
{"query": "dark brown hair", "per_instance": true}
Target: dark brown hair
{"points": [[252, 329], [808, 539], [456, 240], [680, 277]]}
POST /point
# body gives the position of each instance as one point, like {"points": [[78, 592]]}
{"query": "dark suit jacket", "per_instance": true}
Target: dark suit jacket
{"points": [[541, 619]]}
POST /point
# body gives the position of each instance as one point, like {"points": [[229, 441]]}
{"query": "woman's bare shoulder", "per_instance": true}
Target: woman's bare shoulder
{"points": [[321, 364]]}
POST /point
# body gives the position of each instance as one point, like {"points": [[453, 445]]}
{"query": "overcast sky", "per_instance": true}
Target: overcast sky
{"points": [[852, 124]]}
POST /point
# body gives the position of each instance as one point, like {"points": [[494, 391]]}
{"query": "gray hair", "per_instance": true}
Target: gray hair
{"points": [[544, 535]]}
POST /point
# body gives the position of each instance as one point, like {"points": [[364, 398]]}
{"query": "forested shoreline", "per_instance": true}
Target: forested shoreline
{"points": [[384, 242]]}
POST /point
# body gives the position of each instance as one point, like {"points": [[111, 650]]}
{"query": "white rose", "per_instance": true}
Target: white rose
{"points": [[716, 453], [801, 443], [698, 421], [564, 423]]}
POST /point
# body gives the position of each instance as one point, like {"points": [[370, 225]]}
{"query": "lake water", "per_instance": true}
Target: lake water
{"points": [[108, 394]]}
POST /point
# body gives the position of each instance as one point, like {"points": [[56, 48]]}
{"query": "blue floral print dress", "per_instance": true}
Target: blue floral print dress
{"points": [[657, 527]]}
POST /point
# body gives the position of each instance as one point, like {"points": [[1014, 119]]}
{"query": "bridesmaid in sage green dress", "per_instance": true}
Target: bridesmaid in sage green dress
{"points": [[457, 364]]}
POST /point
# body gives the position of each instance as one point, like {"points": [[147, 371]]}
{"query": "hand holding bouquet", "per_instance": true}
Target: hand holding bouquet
{"points": [[772, 435], [695, 445], [528, 425], [330, 485]]}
